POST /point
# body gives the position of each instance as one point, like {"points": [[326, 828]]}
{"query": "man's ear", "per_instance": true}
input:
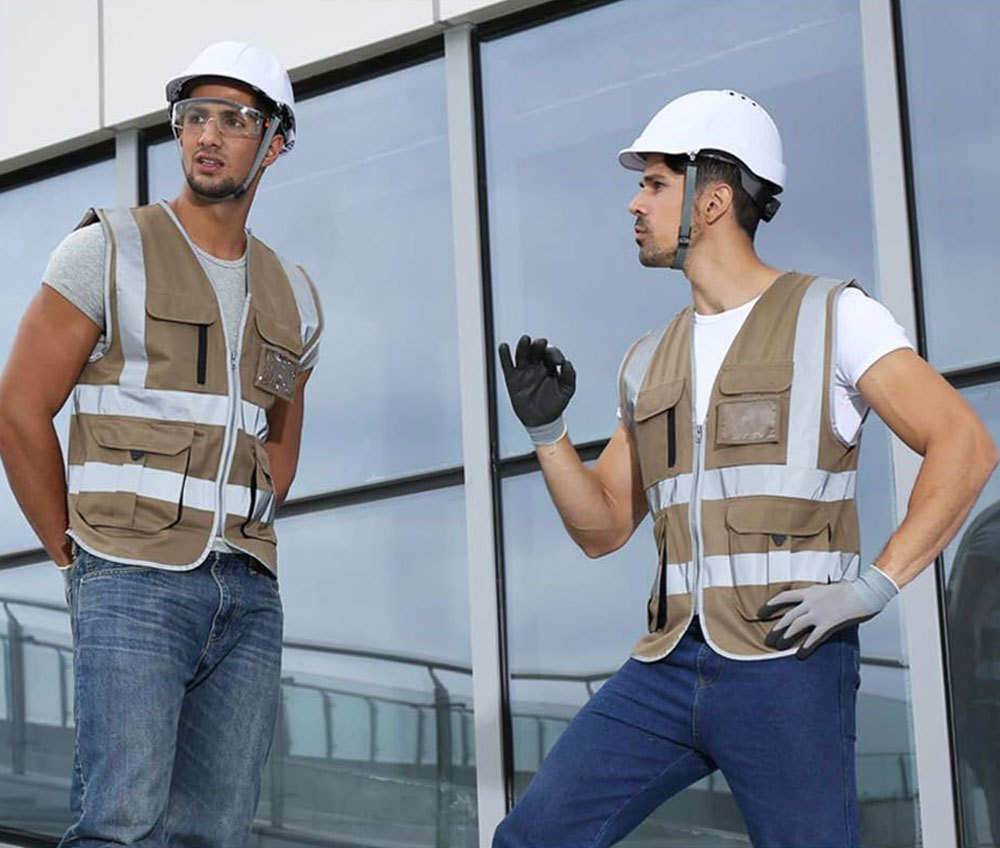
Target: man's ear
{"points": [[716, 200], [273, 150]]}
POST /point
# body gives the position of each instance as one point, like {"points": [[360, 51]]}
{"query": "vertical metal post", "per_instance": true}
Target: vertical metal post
{"points": [[17, 694], [921, 612], [279, 756], [127, 167], [445, 767], [480, 529], [328, 723]]}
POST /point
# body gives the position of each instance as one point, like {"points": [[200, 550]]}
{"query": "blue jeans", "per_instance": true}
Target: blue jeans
{"points": [[782, 732], [177, 685]]}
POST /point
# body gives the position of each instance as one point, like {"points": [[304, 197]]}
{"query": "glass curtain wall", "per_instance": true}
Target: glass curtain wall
{"points": [[563, 266], [951, 123], [36, 680]]}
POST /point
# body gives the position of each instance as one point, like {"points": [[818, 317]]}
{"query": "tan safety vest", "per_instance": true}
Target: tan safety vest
{"points": [[168, 425], [760, 497]]}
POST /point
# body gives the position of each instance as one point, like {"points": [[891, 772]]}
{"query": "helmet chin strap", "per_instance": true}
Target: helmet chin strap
{"points": [[684, 236], [240, 190]]}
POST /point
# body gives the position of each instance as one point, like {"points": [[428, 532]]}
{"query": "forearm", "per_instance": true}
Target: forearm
{"points": [[593, 518], [952, 474], [33, 461]]}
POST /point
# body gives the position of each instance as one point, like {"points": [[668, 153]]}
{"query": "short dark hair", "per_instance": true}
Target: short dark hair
{"points": [[713, 170]]}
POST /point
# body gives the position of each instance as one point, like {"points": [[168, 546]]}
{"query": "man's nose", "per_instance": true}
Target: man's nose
{"points": [[210, 132]]}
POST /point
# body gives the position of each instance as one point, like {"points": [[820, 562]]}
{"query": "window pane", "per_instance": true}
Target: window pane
{"points": [[564, 266], [363, 203], [34, 218], [376, 741], [561, 243], [972, 566], [954, 113], [36, 700]]}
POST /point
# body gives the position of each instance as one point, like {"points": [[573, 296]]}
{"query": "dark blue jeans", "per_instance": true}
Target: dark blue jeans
{"points": [[782, 732], [177, 684]]}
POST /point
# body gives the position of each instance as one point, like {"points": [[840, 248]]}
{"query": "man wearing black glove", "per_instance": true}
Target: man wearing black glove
{"points": [[739, 433]]}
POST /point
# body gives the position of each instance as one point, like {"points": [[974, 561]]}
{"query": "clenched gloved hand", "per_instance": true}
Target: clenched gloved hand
{"points": [[826, 609], [540, 382]]}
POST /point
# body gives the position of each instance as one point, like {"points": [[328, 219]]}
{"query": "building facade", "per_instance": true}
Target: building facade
{"points": [[454, 185]]}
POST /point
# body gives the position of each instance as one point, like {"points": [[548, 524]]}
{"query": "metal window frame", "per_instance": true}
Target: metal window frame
{"points": [[897, 262]]}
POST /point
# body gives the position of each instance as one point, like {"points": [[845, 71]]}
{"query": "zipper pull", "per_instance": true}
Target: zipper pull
{"points": [[697, 434]]}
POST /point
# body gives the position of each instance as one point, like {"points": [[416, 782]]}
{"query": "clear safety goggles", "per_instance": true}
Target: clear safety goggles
{"points": [[232, 120]]}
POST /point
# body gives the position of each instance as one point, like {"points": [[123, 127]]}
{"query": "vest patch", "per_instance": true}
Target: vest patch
{"points": [[747, 422], [276, 373]]}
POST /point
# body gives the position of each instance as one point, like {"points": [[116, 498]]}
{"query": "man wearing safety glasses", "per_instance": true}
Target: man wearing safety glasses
{"points": [[186, 344]]}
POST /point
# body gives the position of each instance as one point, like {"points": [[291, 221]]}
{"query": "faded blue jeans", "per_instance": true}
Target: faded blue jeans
{"points": [[177, 680], [782, 732]]}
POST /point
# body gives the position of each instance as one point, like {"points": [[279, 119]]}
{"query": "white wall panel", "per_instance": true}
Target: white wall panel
{"points": [[480, 10], [49, 60], [147, 42]]}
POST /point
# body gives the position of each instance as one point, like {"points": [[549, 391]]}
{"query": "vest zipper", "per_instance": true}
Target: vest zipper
{"points": [[694, 512], [235, 398]]}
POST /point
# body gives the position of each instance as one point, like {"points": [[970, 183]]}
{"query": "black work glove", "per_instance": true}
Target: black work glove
{"points": [[540, 382]]}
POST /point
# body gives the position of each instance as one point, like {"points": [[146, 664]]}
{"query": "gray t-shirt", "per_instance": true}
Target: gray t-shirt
{"points": [[76, 271]]}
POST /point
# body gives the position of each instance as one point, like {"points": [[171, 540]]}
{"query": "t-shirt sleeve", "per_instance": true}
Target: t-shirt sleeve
{"points": [[312, 329], [76, 270], [866, 331]]}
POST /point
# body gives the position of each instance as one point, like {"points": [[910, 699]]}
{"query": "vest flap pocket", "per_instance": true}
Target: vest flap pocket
{"points": [[656, 399], [777, 516], [279, 333], [755, 377], [145, 436], [185, 309]]}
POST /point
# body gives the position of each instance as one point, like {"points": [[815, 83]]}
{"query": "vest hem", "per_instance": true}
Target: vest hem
{"points": [[127, 561]]}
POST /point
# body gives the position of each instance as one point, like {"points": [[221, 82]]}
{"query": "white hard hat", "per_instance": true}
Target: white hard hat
{"points": [[722, 121], [242, 62]]}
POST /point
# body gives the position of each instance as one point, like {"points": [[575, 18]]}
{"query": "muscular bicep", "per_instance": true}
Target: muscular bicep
{"points": [[51, 347], [618, 470], [914, 401]]}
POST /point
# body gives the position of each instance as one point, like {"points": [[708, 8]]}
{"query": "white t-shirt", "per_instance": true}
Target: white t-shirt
{"points": [[866, 331]]}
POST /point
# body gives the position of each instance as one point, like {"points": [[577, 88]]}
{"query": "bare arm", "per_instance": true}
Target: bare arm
{"points": [[285, 424], [934, 420], [52, 345], [600, 506]]}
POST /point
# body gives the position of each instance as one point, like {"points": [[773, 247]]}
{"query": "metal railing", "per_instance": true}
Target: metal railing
{"points": [[439, 739]]}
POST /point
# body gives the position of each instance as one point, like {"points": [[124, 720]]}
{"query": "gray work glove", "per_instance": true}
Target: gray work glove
{"points": [[826, 609]]}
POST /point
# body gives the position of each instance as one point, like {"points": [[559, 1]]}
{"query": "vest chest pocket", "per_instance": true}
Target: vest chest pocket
{"points": [[775, 544], [754, 405], [658, 430], [177, 342], [135, 475], [274, 359]]}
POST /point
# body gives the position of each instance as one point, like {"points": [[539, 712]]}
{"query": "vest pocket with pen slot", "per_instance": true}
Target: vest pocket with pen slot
{"points": [[134, 475], [657, 428]]}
